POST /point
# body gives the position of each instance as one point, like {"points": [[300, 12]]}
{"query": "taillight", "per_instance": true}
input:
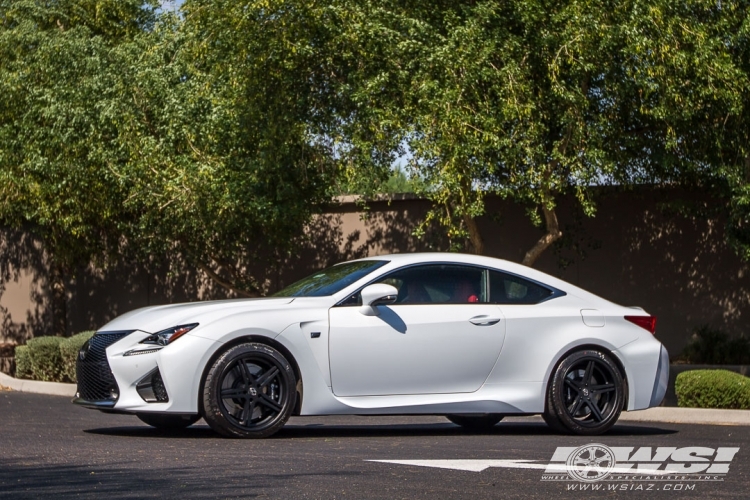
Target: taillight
{"points": [[646, 322]]}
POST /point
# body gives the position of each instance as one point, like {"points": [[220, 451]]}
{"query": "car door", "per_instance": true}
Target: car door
{"points": [[441, 335]]}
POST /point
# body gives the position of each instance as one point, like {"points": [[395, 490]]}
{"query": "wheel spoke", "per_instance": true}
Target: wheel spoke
{"points": [[247, 377], [572, 384], [234, 393], [595, 410], [577, 403], [603, 388], [266, 400], [247, 411], [267, 377], [589, 371]]}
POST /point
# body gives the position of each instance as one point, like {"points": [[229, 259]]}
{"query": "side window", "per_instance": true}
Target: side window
{"points": [[438, 284], [509, 289]]}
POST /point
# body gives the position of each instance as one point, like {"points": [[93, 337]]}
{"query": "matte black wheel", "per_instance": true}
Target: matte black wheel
{"points": [[166, 421], [476, 423], [249, 392], [586, 394]]}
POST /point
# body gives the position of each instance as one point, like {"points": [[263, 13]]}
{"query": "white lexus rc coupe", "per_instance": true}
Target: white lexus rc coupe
{"points": [[472, 338]]}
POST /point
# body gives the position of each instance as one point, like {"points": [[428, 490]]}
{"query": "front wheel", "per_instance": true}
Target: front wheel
{"points": [[249, 392], [476, 423], [586, 394]]}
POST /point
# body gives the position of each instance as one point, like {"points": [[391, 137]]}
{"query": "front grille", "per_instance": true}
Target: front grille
{"points": [[95, 379]]}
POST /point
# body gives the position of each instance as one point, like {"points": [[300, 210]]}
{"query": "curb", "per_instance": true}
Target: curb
{"points": [[688, 416], [35, 386]]}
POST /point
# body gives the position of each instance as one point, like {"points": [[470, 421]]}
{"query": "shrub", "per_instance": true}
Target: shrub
{"points": [[23, 362], [713, 389], [714, 347], [69, 351], [46, 360]]}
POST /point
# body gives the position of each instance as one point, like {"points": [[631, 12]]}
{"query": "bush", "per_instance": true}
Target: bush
{"points": [[46, 360], [713, 389], [23, 362], [714, 347], [69, 351]]}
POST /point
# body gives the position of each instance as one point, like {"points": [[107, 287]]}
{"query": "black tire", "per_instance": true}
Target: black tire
{"points": [[476, 423], [554, 423], [249, 392], [167, 421], [586, 394]]}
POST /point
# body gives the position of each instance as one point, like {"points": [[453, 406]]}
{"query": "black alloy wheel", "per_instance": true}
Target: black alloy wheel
{"points": [[586, 394], [476, 423], [167, 421], [249, 392]]}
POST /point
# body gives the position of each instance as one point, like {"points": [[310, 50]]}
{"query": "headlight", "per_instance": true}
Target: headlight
{"points": [[169, 335]]}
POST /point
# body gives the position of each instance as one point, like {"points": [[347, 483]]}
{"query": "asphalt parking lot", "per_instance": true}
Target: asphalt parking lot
{"points": [[49, 447]]}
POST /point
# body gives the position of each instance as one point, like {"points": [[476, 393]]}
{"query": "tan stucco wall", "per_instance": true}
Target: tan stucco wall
{"points": [[632, 252]]}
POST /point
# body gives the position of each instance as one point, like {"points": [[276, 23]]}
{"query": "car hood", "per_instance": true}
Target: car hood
{"points": [[156, 318]]}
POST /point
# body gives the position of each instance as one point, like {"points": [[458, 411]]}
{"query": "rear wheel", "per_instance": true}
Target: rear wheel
{"points": [[167, 421], [586, 394], [476, 423], [249, 392]]}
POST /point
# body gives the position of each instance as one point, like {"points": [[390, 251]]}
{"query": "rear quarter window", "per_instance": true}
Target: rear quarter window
{"points": [[510, 289]]}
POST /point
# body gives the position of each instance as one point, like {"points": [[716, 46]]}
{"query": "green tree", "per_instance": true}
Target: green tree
{"points": [[697, 86], [58, 75], [208, 137], [229, 141], [531, 100]]}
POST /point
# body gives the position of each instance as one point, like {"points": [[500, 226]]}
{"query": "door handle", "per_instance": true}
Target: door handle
{"points": [[484, 320]]}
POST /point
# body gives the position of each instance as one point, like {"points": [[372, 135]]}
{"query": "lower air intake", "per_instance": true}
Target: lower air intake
{"points": [[151, 388]]}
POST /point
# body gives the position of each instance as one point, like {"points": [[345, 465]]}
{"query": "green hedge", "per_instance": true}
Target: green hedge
{"points": [[23, 362], [52, 359], [46, 360], [713, 389]]}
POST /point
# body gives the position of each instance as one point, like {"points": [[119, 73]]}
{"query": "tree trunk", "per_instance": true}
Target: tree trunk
{"points": [[475, 237], [223, 283], [59, 299], [553, 234]]}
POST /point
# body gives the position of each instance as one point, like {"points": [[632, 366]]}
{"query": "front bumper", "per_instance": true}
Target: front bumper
{"points": [[179, 366]]}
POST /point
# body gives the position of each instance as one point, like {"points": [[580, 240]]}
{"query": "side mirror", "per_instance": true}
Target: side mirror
{"points": [[377, 295]]}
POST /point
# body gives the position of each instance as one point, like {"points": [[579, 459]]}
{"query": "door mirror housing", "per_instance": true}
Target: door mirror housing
{"points": [[376, 295]]}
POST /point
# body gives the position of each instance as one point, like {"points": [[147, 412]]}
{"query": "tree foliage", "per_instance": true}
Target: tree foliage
{"points": [[204, 137], [227, 140], [532, 100], [212, 136], [58, 130]]}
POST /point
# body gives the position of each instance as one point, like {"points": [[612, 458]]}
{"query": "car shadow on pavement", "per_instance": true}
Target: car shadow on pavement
{"points": [[318, 430], [127, 480]]}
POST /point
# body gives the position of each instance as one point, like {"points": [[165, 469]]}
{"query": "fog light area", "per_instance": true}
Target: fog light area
{"points": [[151, 388]]}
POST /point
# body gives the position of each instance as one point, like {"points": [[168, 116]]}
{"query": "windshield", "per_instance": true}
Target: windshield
{"points": [[331, 280]]}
